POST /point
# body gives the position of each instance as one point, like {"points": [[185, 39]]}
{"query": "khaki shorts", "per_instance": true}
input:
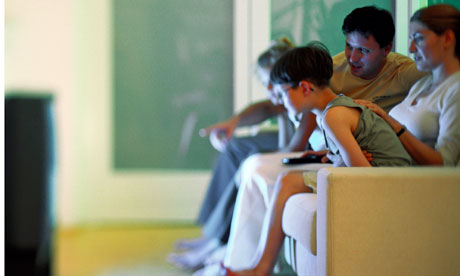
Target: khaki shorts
{"points": [[309, 179]]}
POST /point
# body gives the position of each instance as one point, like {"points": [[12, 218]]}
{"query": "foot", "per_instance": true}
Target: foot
{"points": [[188, 244], [193, 259], [184, 261], [214, 269], [217, 256], [249, 272]]}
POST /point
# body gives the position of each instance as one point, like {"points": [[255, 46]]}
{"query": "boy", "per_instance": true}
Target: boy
{"points": [[302, 76]]}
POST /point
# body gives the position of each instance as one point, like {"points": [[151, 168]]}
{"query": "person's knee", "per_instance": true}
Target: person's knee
{"points": [[289, 177], [251, 163], [282, 177], [290, 181], [262, 163]]}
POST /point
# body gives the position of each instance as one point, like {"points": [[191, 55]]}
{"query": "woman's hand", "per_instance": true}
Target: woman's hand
{"points": [[368, 156], [395, 125], [220, 133], [372, 106]]}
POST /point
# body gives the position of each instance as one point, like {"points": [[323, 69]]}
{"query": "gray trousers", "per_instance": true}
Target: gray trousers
{"points": [[217, 207]]}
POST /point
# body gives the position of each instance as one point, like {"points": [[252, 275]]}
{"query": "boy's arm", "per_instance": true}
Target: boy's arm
{"points": [[339, 124]]}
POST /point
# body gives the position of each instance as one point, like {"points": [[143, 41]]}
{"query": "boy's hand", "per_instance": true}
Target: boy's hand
{"points": [[323, 153]]}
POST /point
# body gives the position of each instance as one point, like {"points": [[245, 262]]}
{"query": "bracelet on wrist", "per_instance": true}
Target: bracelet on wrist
{"points": [[401, 131]]}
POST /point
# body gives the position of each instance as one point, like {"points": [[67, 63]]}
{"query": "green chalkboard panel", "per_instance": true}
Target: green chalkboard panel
{"points": [[306, 20], [172, 75], [455, 3]]}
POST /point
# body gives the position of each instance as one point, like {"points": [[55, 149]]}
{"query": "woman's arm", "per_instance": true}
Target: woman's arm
{"points": [[420, 152], [339, 124], [258, 112], [251, 115], [221, 132]]}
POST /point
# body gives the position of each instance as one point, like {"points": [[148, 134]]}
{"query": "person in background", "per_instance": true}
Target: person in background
{"points": [[216, 211]]}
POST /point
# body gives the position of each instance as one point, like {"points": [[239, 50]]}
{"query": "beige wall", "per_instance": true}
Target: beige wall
{"points": [[64, 46]]}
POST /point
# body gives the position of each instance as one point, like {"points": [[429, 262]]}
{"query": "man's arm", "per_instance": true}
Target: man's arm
{"points": [[302, 134], [286, 130]]}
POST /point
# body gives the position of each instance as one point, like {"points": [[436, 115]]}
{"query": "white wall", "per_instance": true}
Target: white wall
{"points": [[251, 26], [65, 47], [404, 10], [39, 47]]}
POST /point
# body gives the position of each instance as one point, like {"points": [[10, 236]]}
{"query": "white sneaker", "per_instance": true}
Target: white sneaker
{"points": [[211, 270], [189, 244], [217, 256], [193, 259]]}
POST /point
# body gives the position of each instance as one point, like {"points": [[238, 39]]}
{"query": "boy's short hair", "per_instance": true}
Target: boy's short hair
{"points": [[370, 20], [312, 62]]}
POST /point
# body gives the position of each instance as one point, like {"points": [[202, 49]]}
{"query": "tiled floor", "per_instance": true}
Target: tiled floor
{"points": [[118, 251]]}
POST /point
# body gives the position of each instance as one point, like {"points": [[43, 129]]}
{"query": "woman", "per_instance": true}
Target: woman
{"points": [[428, 119], [431, 112], [215, 214]]}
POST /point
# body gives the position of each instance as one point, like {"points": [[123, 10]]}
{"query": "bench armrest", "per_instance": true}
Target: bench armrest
{"points": [[388, 221]]}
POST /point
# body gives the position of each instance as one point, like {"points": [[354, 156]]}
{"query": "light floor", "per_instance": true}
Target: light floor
{"points": [[118, 251]]}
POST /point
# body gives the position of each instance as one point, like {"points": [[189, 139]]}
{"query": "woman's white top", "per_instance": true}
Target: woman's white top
{"points": [[434, 118]]}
